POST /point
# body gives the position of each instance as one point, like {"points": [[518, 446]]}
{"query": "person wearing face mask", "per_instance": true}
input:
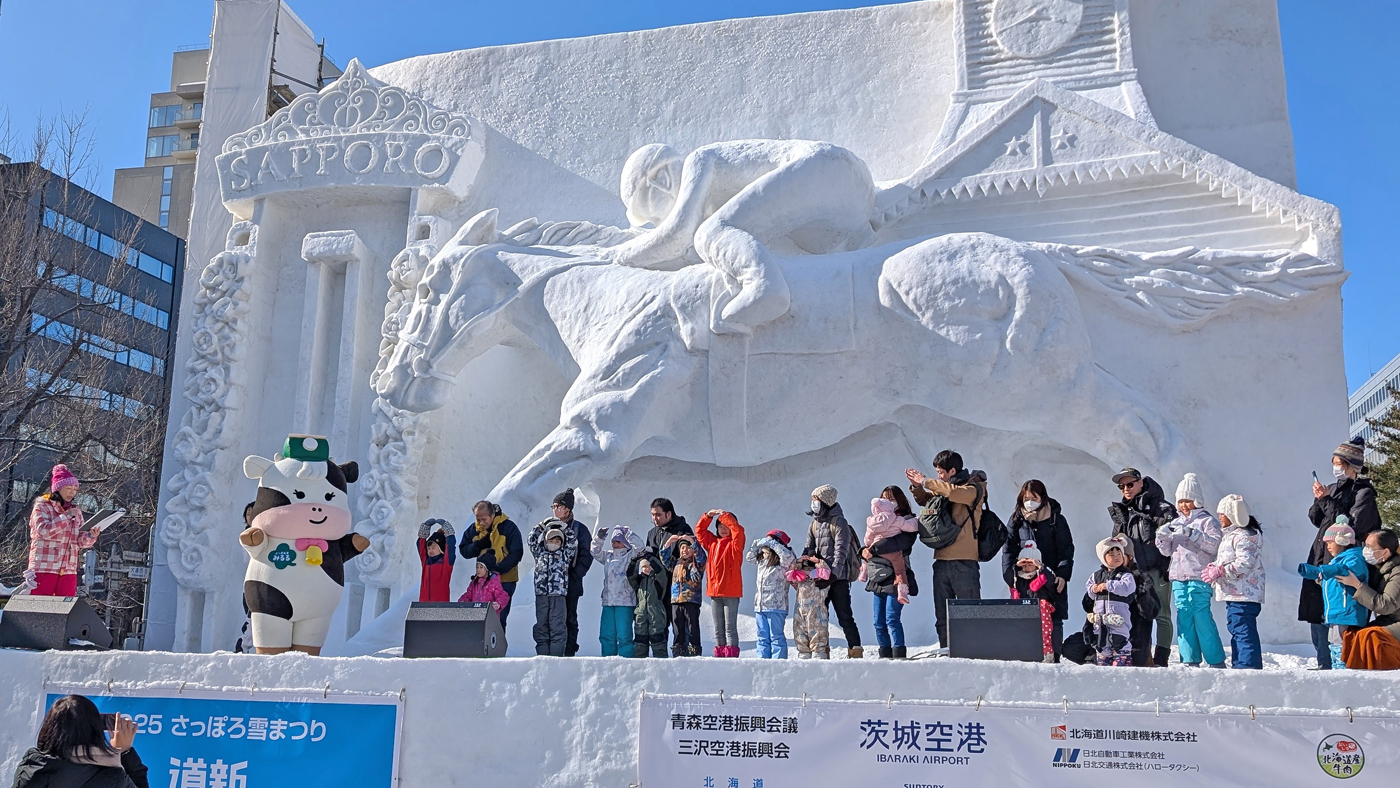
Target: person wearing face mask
{"points": [[836, 543], [1351, 495], [1376, 647], [1038, 519], [554, 545]]}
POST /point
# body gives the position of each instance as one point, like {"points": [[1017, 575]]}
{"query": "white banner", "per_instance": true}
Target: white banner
{"points": [[699, 742]]}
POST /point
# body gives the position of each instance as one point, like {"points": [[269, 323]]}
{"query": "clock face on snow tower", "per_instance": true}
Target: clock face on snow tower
{"points": [[1035, 28]]}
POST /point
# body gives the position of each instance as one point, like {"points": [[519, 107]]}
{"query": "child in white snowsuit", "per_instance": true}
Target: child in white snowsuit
{"points": [[647, 575], [1112, 588], [554, 545], [810, 577], [614, 549], [770, 601]]}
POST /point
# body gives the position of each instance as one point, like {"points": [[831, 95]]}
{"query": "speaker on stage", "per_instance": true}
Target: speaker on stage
{"points": [[1007, 629], [51, 622], [453, 629]]}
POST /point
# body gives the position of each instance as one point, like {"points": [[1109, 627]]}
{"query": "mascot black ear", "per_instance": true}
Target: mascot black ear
{"points": [[351, 470]]}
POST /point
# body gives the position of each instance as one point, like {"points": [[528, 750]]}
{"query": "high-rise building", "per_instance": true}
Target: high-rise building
{"points": [[1371, 401], [87, 378], [160, 191]]}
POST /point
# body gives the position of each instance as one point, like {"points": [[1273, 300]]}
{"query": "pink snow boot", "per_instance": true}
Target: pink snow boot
{"points": [[734, 651], [721, 651]]}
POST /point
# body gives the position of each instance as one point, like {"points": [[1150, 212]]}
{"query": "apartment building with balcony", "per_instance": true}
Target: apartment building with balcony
{"points": [[161, 190]]}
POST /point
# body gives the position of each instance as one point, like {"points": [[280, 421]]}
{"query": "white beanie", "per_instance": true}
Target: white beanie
{"points": [[1190, 490], [1234, 507], [1029, 550]]}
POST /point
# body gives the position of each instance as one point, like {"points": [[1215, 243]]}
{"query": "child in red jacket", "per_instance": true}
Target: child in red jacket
{"points": [[438, 552], [725, 585]]}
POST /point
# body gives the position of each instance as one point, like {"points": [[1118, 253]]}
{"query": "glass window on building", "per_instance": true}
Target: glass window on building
{"points": [[163, 145], [167, 176], [164, 116], [196, 111]]}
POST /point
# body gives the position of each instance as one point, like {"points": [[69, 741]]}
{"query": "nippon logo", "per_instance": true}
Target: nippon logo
{"points": [[1066, 759], [1059, 733]]}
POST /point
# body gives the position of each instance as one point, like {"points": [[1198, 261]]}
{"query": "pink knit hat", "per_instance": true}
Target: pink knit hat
{"points": [[62, 477]]}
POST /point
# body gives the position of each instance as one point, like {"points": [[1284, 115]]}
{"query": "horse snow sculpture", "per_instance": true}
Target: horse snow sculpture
{"points": [[298, 540], [973, 326]]}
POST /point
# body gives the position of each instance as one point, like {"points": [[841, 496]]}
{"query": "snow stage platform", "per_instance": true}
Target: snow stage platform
{"points": [[575, 722]]}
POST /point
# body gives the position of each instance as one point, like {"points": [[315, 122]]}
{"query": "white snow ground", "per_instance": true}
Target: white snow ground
{"points": [[573, 722]]}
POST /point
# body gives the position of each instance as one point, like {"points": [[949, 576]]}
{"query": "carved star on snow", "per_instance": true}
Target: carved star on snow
{"points": [[1063, 140], [1017, 146]]}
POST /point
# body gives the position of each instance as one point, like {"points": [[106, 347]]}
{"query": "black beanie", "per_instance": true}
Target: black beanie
{"points": [[566, 498]]}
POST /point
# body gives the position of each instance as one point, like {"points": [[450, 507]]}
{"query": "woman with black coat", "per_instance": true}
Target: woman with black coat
{"points": [[1354, 496], [1038, 519], [73, 751]]}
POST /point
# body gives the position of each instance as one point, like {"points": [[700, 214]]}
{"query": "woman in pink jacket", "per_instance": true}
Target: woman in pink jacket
{"points": [[486, 587], [56, 537]]}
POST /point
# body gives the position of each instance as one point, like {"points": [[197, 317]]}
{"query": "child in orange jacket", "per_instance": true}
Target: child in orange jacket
{"points": [[725, 585]]}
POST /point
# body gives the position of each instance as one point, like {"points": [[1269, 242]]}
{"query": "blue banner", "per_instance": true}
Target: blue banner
{"points": [[199, 739]]}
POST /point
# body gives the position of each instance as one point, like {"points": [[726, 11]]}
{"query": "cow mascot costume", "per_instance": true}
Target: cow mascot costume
{"points": [[298, 540]]}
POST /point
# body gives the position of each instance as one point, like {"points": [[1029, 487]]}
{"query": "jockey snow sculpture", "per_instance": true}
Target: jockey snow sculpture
{"points": [[735, 203], [299, 540]]}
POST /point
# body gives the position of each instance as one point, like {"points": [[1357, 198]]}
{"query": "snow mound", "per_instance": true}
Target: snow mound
{"points": [[547, 721]]}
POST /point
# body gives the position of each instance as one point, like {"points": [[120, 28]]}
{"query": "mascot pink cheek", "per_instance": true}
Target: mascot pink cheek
{"points": [[304, 520]]}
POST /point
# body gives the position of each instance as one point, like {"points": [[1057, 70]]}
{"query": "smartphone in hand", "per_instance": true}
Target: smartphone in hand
{"points": [[1315, 479], [109, 722]]}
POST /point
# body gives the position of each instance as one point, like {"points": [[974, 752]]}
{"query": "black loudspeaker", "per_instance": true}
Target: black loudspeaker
{"points": [[453, 629], [1007, 629], [50, 622]]}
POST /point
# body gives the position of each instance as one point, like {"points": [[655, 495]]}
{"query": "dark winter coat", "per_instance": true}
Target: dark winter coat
{"points": [[657, 538], [1384, 601], [1139, 520], [1056, 545], [583, 560], [499, 547], [38, 769], [653, 593], [833, 540], [1356, 499], [658, 535], [904, 543], [1143, 609]]}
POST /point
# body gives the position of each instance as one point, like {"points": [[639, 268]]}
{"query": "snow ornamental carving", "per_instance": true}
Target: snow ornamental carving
{"points": [[357, 130], [1042, 282], [212, 376]]}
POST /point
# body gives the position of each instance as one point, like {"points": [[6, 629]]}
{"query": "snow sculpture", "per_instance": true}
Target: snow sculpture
{"points": [[1050, 248], [730, 202], [298, 540], [212, 371], [994, 323]]}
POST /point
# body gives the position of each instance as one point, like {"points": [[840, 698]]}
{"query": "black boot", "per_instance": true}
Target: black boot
{"points": [[900, 652], [886, 652], [1161, 655]]}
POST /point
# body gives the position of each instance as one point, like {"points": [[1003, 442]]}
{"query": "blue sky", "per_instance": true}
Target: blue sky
{"points": [[104, 57]]}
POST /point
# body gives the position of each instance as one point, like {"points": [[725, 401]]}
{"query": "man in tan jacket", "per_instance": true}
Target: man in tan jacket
{"points": [[956, 572]]}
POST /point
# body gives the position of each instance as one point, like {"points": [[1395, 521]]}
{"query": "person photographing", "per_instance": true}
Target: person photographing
{"points": [[73, 750]]}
